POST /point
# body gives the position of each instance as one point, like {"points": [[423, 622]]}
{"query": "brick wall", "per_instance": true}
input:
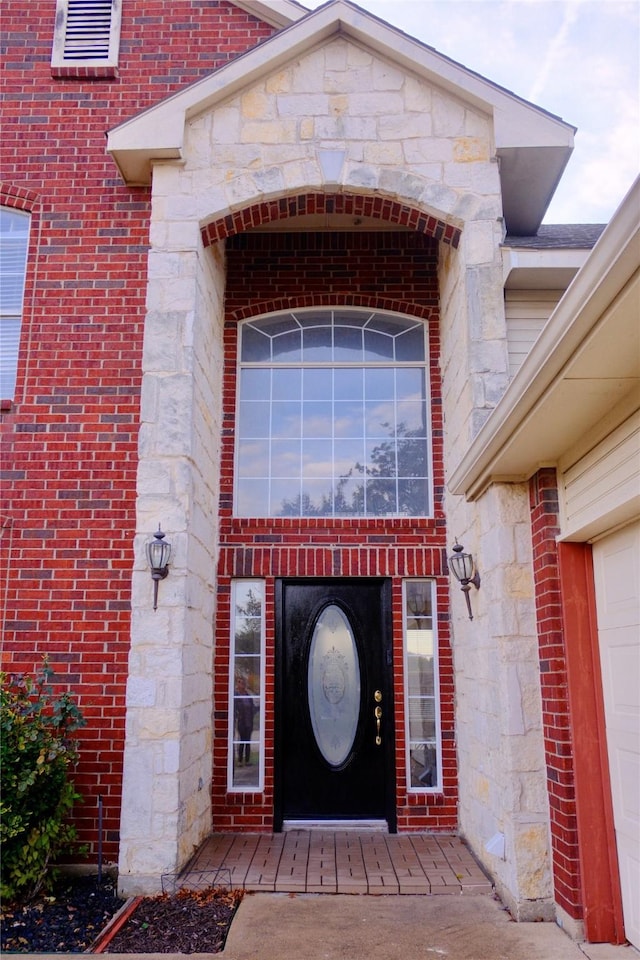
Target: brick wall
{"points": [[545, 527], [70, 436], [382, 271]]}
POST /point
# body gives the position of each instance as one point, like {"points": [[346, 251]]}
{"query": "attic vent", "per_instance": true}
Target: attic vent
{"points": [[88, 29], [87, 35]]}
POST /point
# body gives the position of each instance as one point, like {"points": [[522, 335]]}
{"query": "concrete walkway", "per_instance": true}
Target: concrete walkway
{"points": [[319, 927]]}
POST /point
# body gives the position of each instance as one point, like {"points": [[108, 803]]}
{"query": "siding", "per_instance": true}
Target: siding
{"points": [[526, 313], [602, 489]]}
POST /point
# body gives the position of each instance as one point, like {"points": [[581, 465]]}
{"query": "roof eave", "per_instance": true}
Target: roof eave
{"points": [[523, 132], [277, 13], [521, 433]]}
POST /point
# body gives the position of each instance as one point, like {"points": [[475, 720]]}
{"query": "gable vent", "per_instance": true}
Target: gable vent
{"points": [[87, 33], [88, 30]]}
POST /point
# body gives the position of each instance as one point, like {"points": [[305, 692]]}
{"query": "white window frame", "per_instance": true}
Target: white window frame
{"points": [[11, 320], [240, 365], [259, 787], [69, 14], [438, 787]]}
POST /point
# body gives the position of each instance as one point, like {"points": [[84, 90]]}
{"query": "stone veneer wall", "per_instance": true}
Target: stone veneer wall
{"points": [[341, 120], [504, 811], [167, 772], [498, 712]]}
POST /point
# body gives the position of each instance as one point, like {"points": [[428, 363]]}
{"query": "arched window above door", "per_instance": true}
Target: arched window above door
{"points": [[332, 416]]}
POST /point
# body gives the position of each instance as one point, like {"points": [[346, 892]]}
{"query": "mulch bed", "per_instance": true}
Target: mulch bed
{"points": [[190, 921], [71, 918], [66, 920]]}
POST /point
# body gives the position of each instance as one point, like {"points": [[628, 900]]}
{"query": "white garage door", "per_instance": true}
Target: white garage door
{"points": [[617, 576]]}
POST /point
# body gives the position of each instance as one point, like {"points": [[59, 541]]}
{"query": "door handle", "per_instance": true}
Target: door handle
{"points": [[378, 715]]}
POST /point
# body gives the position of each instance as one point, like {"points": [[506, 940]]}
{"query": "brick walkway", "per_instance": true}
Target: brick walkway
{"points": [[321, 861]]}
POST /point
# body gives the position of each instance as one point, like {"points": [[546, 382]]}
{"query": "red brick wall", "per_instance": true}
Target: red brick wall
{"points": [[382, 271], [545, 526], [70, 437]]}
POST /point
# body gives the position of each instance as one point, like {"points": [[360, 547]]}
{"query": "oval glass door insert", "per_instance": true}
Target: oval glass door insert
{"points": [[334, 685]]}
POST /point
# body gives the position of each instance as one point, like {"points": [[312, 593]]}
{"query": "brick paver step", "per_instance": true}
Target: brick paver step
{"points": [[306, 861]]}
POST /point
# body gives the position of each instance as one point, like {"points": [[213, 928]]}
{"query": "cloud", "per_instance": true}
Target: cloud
{"points": [[577, 59], [554, 52], [604, 166]]}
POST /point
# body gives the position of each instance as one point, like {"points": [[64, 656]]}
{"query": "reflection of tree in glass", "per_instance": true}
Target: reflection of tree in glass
{"points": [[248, 618], [404, 456], [391, 459], [303, 506]]}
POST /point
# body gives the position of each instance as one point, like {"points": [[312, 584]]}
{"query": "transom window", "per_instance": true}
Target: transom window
{"points": [[332, 417]]}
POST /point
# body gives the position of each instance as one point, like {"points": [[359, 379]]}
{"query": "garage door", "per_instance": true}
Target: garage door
{"points": [[617, 576]]}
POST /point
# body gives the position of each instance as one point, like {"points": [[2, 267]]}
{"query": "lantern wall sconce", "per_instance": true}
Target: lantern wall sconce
{"points": [[462, 566], [158, 554]]}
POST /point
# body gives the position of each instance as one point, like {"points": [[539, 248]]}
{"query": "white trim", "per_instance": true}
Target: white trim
{"points": [[278, 13], [424, 364], [358, 826], [436, 687], [11, 321]]}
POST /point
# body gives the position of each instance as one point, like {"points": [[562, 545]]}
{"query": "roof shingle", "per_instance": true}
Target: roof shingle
{"points": [[567, 236]]}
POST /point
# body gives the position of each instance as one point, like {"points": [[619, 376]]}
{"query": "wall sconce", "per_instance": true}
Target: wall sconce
{"points": [[463, 568], [158, 553]]}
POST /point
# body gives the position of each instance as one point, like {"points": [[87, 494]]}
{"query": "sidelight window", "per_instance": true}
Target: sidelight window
{"points": [[422, 699], [332, 416], [246, 691]]}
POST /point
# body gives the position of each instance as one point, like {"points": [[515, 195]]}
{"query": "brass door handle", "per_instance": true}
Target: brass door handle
{"points": [[378, 715]]}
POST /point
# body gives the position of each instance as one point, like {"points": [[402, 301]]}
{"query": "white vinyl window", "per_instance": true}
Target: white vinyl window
{"points": [[14, 240], [333, 416], [246, 687], [87, 33], [422, 694]]}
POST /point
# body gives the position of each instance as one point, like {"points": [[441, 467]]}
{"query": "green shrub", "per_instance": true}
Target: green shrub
{"points": [[37, 750]]}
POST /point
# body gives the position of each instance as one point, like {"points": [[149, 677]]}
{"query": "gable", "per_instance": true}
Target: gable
{"points": [[533, 146]]}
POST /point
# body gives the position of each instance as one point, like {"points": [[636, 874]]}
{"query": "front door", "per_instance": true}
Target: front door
{"points": [[334, 709]]}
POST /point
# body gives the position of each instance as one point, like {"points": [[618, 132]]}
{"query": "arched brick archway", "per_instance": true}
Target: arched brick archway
{"points": [[370, 205], [383, 304]]}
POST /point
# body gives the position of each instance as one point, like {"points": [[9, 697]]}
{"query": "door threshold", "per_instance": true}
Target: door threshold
{"points": [[356, 826]]}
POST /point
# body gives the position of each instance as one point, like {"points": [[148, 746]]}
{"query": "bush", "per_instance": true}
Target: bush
{"points": [[37, 750]]}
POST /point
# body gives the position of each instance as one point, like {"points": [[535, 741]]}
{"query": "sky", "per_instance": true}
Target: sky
{"points": [[577, 59]]}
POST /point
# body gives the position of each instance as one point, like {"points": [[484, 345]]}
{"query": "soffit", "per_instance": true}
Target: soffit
{"points": [[279, 13], [533, 146], [585, 363], [525, 269]]}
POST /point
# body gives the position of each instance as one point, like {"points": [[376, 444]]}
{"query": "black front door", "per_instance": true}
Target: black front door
{"points": [[334, 710]]}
